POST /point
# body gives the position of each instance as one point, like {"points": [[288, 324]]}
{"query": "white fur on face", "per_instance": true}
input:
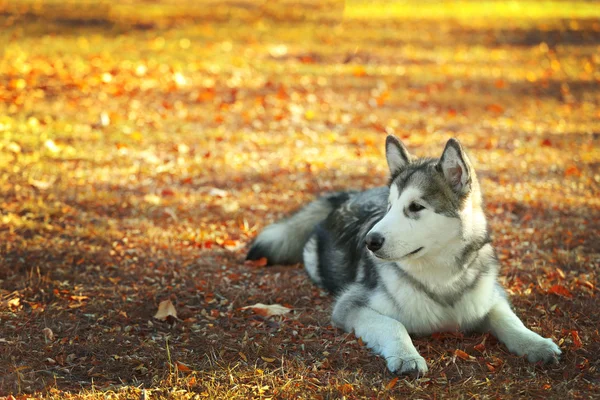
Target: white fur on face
{"points": [[404, 235]]}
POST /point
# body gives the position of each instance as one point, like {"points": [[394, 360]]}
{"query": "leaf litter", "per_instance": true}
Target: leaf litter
{"points": [[140, 162]]}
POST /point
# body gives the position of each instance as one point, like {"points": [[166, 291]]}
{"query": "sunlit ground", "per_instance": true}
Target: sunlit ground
{"points": [[144, 144]]}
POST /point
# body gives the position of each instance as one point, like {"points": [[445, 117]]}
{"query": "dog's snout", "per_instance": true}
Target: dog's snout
{"points": [[374, 241]]}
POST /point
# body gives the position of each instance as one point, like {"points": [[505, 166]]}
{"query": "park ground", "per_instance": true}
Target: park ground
{"points": [[143, 144]]}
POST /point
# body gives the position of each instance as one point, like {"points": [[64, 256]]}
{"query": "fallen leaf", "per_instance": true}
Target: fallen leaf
{"points": [[181, 367], [268, 310], [48, 334], [481, 346], [267, 359], [243, 356], [346, 388], [359, 71], [50, 145], [461, 354], [496, 108], [165, 309], [14, 303], [572, 171], [576, 340], [261, 262], [392, 383], [560, 290], [14, 147]]}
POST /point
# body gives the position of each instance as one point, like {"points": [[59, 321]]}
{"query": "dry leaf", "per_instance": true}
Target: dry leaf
{"points": [[165, 309], [48, 334], [261, 262], [346, 388], [268, 310], [267, 359], [14, 303], [560, 290], [392, 383], [41, 185], [576, 340], [481, 346], [181, 367], [462, 354]]}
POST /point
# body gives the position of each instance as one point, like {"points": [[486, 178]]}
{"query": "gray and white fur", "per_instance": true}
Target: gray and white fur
{"points": [[414, 257]]}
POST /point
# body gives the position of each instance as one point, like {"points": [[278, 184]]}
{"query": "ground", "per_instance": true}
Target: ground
{"points": [[143, 145]]}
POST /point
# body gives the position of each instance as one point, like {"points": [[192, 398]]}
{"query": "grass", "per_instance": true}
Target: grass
{"points": [[140, 153]]}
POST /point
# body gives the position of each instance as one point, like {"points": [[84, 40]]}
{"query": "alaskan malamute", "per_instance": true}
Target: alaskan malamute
{"points": [[414, 257]]}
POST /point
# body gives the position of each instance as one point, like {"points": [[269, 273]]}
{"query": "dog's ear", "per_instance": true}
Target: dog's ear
{"points": [[456, 167], [396, 154]]}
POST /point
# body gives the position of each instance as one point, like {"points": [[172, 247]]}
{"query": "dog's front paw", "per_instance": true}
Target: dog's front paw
{"points": [[544, 350], [536, 348], [407, 365]]}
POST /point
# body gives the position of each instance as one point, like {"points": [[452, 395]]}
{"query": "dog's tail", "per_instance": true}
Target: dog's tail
{"points": [[283, 241]]}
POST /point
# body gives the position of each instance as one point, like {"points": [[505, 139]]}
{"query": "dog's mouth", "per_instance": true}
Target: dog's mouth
{"points": [[412, 253]]}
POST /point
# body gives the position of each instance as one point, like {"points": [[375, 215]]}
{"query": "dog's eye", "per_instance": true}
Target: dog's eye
{"points": [[415, 207]]}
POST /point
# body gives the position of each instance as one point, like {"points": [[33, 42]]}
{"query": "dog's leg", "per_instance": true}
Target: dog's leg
{"points": [[509, 329], [384, 335]]}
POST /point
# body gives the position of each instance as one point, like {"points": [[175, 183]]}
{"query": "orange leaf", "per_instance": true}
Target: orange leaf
{"points": [[496, 108], [182, 367], [572, 171], [546, 143], [461, 354], [560, 290], [207, 95], [359, 71], [346, 388], [261, 262], [392, 383], [490, 367], [576, 340]]}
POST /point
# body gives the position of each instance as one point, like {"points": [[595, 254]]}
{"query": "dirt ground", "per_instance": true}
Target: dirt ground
{"points": [[143, 146]]}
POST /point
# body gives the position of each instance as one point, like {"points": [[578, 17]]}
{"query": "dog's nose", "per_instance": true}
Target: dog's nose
{"points": [[374, 241]]}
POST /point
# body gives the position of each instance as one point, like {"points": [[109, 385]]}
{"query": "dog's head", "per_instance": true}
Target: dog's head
{"points": [[432, 204]]}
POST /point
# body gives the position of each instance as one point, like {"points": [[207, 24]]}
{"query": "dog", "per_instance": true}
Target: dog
{"points": [[412, 258]]}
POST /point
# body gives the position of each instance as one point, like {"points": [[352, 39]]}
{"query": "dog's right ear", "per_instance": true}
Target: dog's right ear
{"points": [[396, 154]]}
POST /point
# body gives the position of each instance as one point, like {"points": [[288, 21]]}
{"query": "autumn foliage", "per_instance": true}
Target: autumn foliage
{"points": [[143, 144]]}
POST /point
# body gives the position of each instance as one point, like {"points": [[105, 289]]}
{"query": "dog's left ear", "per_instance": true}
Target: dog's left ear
{"points": [[456, 167]]}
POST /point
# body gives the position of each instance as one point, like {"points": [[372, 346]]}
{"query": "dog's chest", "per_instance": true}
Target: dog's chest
{"points": [[421, 313]]}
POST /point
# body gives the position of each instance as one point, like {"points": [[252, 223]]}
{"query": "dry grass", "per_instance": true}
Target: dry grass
{"points": [[139, 156]]}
